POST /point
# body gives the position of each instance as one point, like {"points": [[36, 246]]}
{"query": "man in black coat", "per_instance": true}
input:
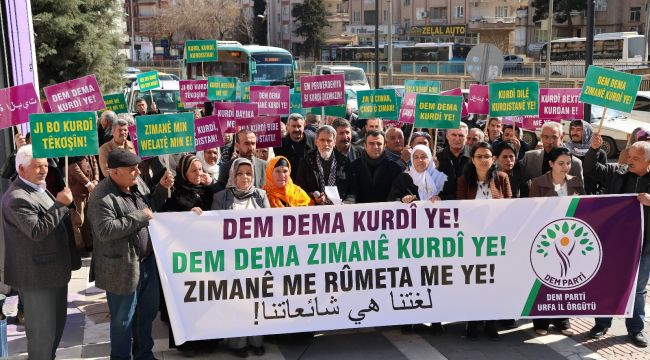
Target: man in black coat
{"points": [[325, 166], [373, 173], [296, 144], [631, 178], [452, 160]]}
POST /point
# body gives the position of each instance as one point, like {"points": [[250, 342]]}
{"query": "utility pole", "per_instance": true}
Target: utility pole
{"points": [[548, 47], [390, 42], [589, 47], [646, 30], [376, 44], [131, 16]]}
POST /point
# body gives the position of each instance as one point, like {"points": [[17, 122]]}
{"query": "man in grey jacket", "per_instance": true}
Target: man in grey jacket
{"points": [[119, 210], [37, 235]]}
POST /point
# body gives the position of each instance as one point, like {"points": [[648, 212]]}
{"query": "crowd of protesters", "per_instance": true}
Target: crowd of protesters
{"points": [[110, 199]]}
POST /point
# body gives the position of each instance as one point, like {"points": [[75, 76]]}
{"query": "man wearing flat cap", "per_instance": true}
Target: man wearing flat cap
{"points": [[119, 210]]}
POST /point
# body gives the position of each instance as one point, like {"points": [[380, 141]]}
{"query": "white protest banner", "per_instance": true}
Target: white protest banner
{"points": [[265, 271]]}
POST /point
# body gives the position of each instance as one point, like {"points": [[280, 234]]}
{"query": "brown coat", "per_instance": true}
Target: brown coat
{"points": [[499, 187], [542, 186], [80, 173]]}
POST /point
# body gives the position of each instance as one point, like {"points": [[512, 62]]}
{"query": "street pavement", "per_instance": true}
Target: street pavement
{"points": [[87, 337]]}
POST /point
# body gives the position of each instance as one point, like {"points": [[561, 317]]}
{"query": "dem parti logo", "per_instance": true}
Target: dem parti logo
{"points": [[566, 254]]}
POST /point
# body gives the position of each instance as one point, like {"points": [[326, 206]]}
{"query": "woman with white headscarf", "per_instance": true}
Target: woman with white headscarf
{"points": [[422, 181], [209, 159]]}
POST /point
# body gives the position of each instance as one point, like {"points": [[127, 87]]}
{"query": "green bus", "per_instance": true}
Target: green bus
{"points": [[265, 65]]}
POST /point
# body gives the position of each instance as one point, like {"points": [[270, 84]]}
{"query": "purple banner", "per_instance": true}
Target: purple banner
{"points": [[271, 100], [266, 128], [478, 101], [194, 91], [322, 90], [407, 111], [607, 290], [230, 112], [133, 134], [207, 133], [526, 122], [458, 92], [16, 103], [82, 94], [560, 104]]}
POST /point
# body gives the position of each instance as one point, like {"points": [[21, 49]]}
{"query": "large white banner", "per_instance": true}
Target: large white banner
{"points": [[236, 273]]}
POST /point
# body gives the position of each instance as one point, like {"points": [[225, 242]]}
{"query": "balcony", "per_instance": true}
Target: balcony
{"points": [[493, 23]]}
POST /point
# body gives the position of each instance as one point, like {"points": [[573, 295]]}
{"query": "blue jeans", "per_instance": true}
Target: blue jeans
{"points": [[132, 315], [635, 323]]}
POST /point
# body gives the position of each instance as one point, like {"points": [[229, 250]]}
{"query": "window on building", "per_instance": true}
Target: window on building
{"points": [[385, 15], [285, 28], [601, 5], [356, 16], [407, 2], [598, 31], [501, 11], [541, 35], [286, 10], [438, 13], [459, 12], [635, 14], [370, 17]]}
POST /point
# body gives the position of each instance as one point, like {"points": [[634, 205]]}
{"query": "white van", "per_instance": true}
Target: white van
{"points": [[355, 78], [166, 96]]}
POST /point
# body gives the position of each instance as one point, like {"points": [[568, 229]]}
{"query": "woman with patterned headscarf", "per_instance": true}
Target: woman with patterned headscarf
{"points": [[193, 188], [279, 187], [580, 133]]}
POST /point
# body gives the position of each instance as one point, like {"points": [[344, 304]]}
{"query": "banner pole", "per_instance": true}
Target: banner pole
{"points": [[66, 171], [151, 96], [408, 143], [602, 118], [169, 190], [202, 71], [322, 115], [435, 141]]}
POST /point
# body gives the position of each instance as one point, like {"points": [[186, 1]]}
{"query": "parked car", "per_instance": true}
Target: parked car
{"points": [[512, 62], [166, 96]]}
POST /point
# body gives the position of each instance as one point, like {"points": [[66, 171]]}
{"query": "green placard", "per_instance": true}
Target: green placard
{"points": [[148, 81], [244, 91], [296, 105], [338, 110], [422, 86], [222, 88], [438, 111], [514, 98], [61, 134], [165, 134], [200, 51], [296, 87], [610, 88], [116, 103], [377, 104]]}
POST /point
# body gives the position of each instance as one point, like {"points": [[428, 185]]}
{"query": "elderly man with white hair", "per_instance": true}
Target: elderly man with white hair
{"points": [[38, 262], [536, 162], [630, 178], [475, 136]]}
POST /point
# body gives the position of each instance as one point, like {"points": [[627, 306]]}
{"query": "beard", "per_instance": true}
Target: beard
{"points": [[326, 155]]}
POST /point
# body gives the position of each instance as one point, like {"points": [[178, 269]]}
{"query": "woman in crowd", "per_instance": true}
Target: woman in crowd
{"points": [[241, 194], [638, 134], [279, 187], [481, 180], [421, 181], [506, 154], [209, 159], [193, 191], [556, 182]]}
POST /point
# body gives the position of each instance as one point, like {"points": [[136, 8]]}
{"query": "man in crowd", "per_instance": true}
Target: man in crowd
{"points": [[395, 149], [141, 107], [494, 130], [344, 143], [311, 124], [296, 144], [83, 175], [325, 166], [373, 173], [245, 145], [123, 263], [513, 135], [474, 136], [371, 124], [631, 179], [452, 160], [420, 138], [104, 133], [536, 162], [120, 131], [38, 236], [581, 134]]}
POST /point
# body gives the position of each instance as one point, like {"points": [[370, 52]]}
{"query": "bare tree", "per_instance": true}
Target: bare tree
{"points": [[244, 28], [196, 19]]}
